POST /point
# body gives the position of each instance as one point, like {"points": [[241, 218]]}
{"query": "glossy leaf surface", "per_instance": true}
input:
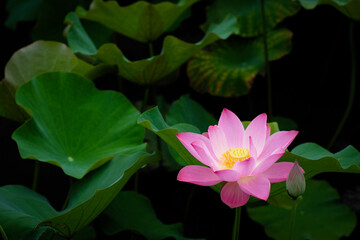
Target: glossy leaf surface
{"points": [[133, 211], [74, 125], [248, 14], [229, 67], [320, 216], [141, 21]]}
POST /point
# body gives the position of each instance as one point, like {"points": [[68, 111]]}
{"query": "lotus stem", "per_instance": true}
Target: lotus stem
{"points": [[3, 234], [36, 176], [266, 55], [292, 218], [236, 229], [352, 85]]}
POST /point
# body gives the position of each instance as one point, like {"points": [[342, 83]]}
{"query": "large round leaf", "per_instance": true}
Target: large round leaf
{"points": [[229, 67], [141, 21], [320, 216], [248, 14], [74, 125], [22, 210], [40, 57]]}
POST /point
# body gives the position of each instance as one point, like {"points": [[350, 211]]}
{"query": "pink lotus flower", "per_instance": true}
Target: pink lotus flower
{"points": [[243, 159]]}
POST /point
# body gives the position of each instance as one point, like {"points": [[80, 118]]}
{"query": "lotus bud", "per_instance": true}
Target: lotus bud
{"points": [[295, 182]]}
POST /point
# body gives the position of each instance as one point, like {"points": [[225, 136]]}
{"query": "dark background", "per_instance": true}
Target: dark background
{"points": [[310, 85]]}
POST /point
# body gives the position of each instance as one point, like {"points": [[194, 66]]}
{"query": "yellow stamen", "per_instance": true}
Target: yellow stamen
{"points": [[233, 155]]}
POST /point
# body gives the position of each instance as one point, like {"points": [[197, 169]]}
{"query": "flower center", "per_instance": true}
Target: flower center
{"points": [[233, 155]]}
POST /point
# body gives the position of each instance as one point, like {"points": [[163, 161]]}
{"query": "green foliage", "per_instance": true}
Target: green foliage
{"points": [[229, 67], [26, 209], [77, 37], [152, 70], [74, 125], [21, 10], [248, 14], [141, 21], [133, 211], [21, 210], [40, 57], [95, 192], [320, 216]]}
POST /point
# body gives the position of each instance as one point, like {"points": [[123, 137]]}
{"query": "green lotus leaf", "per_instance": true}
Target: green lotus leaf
{"points": [[22, 210], [141, 21], [248, 14], [320, 215], [74, 125], [21, 10], [8, 107], [40, 57], [77, 37], [229, 67], [133, 211]]}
